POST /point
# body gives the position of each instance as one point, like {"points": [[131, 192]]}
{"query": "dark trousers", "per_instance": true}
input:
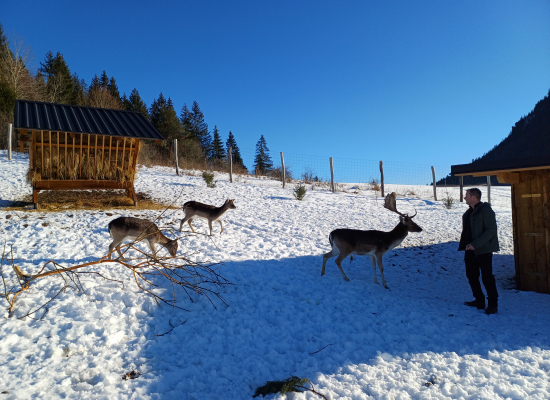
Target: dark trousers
{"points": [[483, 263]]}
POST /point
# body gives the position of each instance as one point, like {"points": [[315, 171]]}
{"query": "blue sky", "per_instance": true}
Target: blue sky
{"points": [[428, 82]]}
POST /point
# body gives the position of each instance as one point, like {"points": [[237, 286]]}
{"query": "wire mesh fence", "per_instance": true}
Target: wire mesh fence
{"points": [[356, 175], [347, 170]]}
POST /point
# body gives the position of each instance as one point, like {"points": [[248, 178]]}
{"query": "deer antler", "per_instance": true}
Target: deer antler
{"points": [[390, 204]]}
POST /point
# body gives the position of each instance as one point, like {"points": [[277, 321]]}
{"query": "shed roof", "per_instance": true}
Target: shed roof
{"points": [[510, 165], [98, 121]]}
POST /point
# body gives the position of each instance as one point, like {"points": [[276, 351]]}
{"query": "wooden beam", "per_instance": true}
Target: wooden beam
{"points": [[42, 147], [88, 160], [81, 184], [95, 159], [103, 155], [66, 160], [508, 177], [499, 171], [58, 155], [51, 154], [80, 161]]}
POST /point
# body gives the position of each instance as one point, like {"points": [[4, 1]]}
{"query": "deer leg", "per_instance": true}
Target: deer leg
{"points": [[188, 219], [152, 247], [189, 222], [333, 253], [113, 246], [221, 226], [210, 226], [381, 266], [339, 260], [373, 262]]}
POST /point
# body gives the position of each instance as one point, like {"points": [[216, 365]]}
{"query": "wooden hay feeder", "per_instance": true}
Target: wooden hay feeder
{"points": [[80, 148]]}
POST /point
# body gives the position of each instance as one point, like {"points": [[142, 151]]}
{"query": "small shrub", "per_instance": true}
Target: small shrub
{"points": [[309, 177], [299, 192], [209, 179], [448, 201], [277, 173], [375, 185]]}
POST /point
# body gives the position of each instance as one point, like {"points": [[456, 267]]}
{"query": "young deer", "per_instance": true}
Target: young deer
{"points": [[372, 243], [138, 229], [194, 209]]}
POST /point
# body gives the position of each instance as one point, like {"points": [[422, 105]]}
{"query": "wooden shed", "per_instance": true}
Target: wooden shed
{"points": [[530, 181], [80, 148]]}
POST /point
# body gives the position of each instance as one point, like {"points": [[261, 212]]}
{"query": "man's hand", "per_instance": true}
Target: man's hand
{"points": [[470, 247]]}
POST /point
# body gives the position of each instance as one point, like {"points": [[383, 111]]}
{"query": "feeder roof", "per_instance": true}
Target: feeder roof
{"points": [[34, 115]]}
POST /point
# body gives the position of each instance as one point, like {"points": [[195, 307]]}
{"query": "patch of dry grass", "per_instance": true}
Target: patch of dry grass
{"points": [[65, 200]]}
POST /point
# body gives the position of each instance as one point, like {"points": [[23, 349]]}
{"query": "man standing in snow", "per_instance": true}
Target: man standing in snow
{"points": [[479, 239]]}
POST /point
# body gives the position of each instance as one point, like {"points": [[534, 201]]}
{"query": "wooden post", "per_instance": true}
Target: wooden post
{"points": [[96, 163], [176, 156], [230, 164], [284, 170], [10, 132], [332, 175], [51, 154], [489, 189], [42, 152], [382, 178], [461, 181], [66, 160], [434, 183]]}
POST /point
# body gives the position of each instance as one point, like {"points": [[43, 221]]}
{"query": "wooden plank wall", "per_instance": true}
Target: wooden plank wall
{"points": [[532, 224]]}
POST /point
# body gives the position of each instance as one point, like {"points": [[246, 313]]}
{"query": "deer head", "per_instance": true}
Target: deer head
{"points": [[390, 204]]}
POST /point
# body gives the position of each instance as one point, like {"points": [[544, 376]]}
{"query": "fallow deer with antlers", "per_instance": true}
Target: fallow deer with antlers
{"points": [[372, 243]]}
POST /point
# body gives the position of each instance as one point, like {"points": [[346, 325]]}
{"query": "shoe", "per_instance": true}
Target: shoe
{"points": [[491, 310], [480, 304]]}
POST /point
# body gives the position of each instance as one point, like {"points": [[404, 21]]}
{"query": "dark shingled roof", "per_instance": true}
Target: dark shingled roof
{"points": [[98, 121], [501, 165]]}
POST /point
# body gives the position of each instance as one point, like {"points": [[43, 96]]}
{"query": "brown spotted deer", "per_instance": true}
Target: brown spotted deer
{"points": [[194, 209], [346, 242], [137, 229]]}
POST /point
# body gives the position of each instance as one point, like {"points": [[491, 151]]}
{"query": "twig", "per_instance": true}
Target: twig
{"points": [[173, 327], [312, 390], [320, 350]]}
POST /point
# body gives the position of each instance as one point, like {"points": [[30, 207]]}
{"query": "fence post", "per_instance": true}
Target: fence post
{"points": [[461, 181], [489, 189], [9, 140], [230, 164], [176, 156], [433, 176], [283, 166], [382, 178], [332, 175]]}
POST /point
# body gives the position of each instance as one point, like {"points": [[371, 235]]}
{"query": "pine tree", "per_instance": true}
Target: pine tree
{"points": [[95, 83], [79, 93], [59, 81], [218, 152], [164, 118], [104, 80], [200, 130], [113, 88], [262, 160], [186, 122], [135, 103], [235, 152]]}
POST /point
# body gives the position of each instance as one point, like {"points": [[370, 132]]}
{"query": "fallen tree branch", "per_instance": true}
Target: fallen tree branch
{"points": [[179, 271]]}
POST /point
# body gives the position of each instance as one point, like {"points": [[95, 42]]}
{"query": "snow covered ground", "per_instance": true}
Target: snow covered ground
{"points": [[352, 340]]}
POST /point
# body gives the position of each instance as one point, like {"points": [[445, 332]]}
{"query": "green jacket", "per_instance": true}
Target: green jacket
{"points": [[484, 229]]}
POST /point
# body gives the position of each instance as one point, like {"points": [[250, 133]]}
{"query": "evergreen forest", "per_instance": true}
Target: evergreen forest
{"points": [[54, 82]]}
